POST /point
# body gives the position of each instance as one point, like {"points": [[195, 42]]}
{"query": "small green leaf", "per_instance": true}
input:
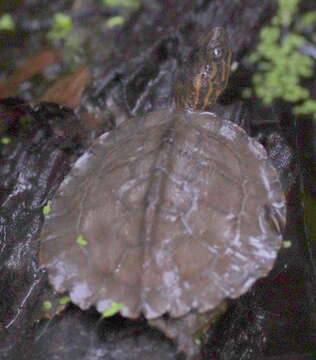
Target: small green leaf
{"points": [[115, 21], [61, 27], [308, 18], [47, 305], [113, 309], [80, 240], [198, 341], [287, 10], [47, 208], [64, 300], [5, 140], [307, 108], [7, 22], [287, 244], [122, 3]]}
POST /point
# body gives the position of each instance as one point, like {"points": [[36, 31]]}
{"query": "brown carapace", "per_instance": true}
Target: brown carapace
{"points": [[170, 213]]}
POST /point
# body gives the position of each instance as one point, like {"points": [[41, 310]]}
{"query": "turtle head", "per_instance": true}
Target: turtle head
{"points": [[204, 75]]}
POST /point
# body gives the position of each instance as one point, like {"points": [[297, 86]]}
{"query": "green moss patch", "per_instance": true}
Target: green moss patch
{"points": [[80, 240], [113, 309]]}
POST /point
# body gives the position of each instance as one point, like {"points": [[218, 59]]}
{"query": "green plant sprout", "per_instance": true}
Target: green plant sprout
{"points": [[130, 5], [47, 208], [47, 305], [64, 300], [280, 63], [80, 240], [286, 10], [122, 3], [61, 28], [7, 23], [113, 309], [287, 244], [5, 140], [115, 21], [309, 18]]}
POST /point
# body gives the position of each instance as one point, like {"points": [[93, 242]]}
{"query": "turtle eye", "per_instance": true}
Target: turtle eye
{"points": [[217, 52]]}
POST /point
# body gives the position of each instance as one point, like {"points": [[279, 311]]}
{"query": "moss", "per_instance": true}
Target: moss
{"points": [[281, 66], [80, 240], [61, 28], [309, 18], [122, 3], [115, 21], [287, 244], [64, 300], [7, 23], [47, 208], [126, 5], [5, 140], [308, 107], [47, 305], [113, 309], [287, 8]]}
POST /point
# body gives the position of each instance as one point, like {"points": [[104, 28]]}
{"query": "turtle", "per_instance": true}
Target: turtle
{"points": [[171, 213]]}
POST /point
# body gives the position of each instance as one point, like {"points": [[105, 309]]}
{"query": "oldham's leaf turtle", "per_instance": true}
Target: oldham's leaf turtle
{"points": [[170, 213]]}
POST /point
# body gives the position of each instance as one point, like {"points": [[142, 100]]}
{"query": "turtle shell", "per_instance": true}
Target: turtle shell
{"points": [[175, 211]]}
